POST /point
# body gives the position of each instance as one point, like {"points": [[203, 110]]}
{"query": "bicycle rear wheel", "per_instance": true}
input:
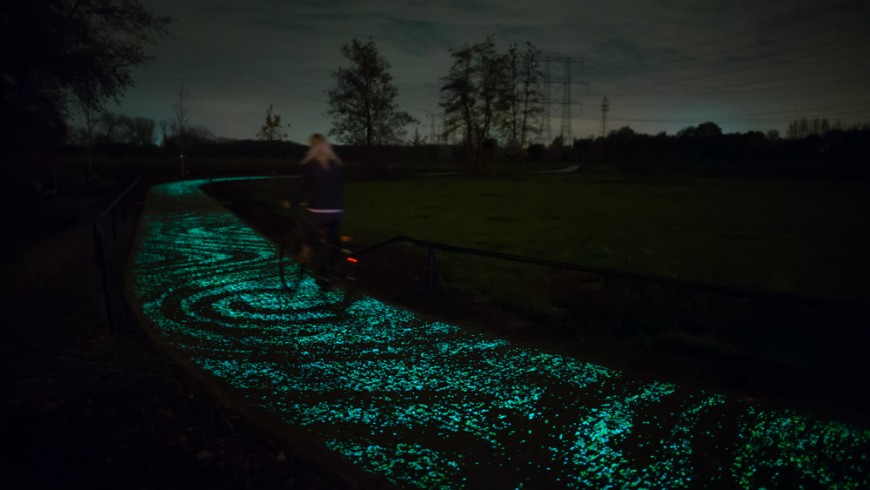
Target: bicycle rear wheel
{"points": [[338, 281], [290, 271]]}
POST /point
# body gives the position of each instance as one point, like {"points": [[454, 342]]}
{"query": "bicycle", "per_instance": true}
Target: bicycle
{"points": [[327, 276]]}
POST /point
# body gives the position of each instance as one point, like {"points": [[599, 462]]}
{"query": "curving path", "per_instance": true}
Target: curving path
{"points": [[421, 403]]}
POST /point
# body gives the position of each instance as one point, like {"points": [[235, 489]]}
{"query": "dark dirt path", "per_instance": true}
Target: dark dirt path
{"points": [[83, 409]]}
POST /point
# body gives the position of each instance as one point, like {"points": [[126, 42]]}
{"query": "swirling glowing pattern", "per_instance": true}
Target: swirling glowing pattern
{"points": [[425, 404]]}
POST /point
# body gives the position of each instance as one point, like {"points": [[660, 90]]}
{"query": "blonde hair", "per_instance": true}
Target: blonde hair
{"points": [[320, 150]]}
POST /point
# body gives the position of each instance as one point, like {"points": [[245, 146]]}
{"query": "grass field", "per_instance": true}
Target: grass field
{"points": [[798, 237]]}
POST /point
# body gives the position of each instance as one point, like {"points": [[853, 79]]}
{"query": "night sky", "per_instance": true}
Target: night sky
{"points": [[663, 64]]}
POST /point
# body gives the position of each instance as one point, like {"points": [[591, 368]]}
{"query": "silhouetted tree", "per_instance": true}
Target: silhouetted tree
{"points": [[90, 123], [522, 95], [703, 130], [110, 126], [363, 101], [803, 127], [271, 129], [473, 96], [199, 135], [56, 49], [621, 146], [418, 139], [165, 126], [624, 133], [142, 131], [458, 95], [703, 144], [195, 138]]}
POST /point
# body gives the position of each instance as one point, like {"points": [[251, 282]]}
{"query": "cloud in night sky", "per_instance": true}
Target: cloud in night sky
{"points": [[663, 64]]}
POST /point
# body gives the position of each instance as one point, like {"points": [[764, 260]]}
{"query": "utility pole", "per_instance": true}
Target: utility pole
{"points": [[605, 106], [548, 137], [432, 128], [565, 128], [433, 133], [558, 84]]}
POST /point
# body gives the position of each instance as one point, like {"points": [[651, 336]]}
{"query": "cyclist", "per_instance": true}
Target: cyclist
{"points": [[321, 187]]}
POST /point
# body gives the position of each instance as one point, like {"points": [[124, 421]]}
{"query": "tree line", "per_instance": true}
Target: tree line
{"points": [[112, 129], [705, 149], [63, 54]]}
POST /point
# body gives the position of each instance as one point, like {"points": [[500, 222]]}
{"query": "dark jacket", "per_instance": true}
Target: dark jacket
{"points": [[320, 186]]}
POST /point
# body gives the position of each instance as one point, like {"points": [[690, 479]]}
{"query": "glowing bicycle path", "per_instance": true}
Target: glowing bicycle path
{"points": [[421, 403]]}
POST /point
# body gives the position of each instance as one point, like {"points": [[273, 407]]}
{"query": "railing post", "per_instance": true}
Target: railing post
{"points": [[430, 256], [102, 264], [98, 246], [115, 224]]}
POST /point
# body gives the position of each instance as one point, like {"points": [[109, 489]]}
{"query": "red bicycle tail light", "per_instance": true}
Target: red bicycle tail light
{"points": [[352, 260]]}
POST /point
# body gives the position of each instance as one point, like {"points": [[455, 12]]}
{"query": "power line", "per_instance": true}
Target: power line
{"points": [[811, 48], [764, 27], [605, 106], [708, 74], [676, 91]]}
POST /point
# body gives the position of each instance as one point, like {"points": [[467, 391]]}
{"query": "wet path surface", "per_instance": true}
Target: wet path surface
{"points": [[422, 403]]}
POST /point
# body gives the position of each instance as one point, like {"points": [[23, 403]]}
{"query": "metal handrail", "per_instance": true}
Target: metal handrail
{"points": [[603, 271], [116, 207]]}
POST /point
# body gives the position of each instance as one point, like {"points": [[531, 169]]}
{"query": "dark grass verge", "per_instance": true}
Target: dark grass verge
{"points": [[83, 409], [781, 355]]}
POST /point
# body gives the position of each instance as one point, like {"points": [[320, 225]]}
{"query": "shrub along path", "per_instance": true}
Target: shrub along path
{"points": [[388, 396], [83, 409]]}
